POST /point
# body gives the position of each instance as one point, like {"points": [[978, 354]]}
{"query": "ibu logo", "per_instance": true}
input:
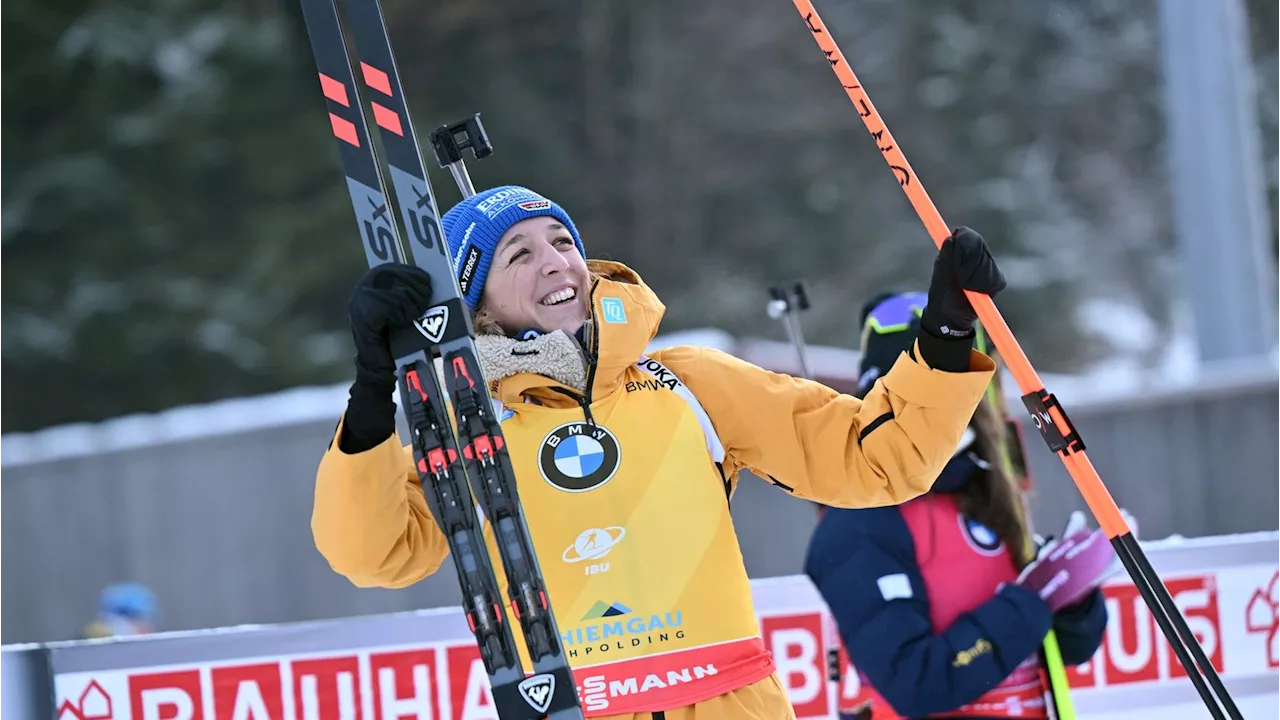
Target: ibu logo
{"points": [[592, 545], [613, 311]]}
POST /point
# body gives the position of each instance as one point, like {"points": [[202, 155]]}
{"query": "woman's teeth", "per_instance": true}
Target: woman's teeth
{"points": [[559, 296]]}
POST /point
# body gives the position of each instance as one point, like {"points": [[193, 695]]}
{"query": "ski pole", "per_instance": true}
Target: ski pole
{"points": [[786, 306], [1046, 412]]}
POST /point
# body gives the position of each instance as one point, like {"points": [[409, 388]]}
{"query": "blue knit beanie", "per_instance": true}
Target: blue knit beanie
{"points": [[473, 227]]}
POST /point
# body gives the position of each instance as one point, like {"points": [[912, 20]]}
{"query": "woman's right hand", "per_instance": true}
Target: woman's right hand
{"points": [[1065, 570], [387, 296]]}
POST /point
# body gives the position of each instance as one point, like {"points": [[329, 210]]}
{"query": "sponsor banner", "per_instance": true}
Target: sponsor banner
{"points": [[1231, 610], [432, 681]]}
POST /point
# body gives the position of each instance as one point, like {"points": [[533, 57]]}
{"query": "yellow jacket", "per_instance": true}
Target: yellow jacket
{"points": [[677, 579]]}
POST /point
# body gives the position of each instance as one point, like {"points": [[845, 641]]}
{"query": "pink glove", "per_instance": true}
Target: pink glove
{"points": [[1067, 569]]}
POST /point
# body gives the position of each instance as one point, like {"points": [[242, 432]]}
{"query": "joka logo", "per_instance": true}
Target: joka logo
{"points": [[577, 457], [981, 538], [538, 691], [432, 324], [609, 627], [660, 376]]}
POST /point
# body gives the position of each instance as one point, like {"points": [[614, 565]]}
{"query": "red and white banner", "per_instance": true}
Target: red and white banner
{"points": [[445, 680], [1233, 612]]}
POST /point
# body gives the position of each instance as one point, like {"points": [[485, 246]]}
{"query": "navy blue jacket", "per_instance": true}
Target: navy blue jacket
{"points": [[893, 642]]}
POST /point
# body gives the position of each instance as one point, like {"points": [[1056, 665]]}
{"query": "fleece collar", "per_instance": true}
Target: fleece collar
{"points": [[555, 356]]}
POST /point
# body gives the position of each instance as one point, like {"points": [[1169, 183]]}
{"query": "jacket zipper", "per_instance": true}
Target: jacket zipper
{"points": [[583, 402], [595, 343], [594, 355], [584, 399]]}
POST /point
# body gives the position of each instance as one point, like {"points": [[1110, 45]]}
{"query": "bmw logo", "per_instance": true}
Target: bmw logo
{"points": [[980, 537], [578, 456]]}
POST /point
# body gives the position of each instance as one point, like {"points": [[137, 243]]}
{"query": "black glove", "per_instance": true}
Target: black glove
{"points": [[387, 296], [963, 263]]}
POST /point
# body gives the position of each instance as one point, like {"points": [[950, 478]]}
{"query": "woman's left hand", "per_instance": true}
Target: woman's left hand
{"points": [[963, 263]]}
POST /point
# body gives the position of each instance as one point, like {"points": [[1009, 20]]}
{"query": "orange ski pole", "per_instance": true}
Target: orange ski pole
{"points": [[1046, 413]]}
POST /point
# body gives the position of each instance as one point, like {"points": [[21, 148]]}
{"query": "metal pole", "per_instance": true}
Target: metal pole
{"points": [[786, 305]]}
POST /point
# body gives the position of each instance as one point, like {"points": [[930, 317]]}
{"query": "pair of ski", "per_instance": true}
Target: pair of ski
{"points": [[473, 468]]}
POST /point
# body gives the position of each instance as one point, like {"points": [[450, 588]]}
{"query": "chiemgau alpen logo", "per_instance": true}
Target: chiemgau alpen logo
{"points": [[579, 456]]}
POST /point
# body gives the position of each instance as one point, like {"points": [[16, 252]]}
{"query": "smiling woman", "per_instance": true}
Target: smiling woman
{"points": [[609, 442], [538, 280]]}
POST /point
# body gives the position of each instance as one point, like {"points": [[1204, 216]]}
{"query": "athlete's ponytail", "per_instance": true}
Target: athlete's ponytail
{"points": [[992, 496]]}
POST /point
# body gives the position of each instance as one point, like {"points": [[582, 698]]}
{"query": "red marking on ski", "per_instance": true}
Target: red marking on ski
{"points": [[334, 90], [387, 119], [344, 130], [376, 79]]}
